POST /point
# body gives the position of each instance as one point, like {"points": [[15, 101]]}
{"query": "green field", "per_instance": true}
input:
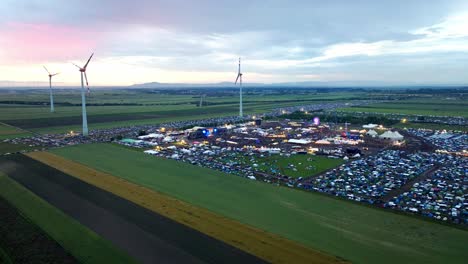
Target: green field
{"points": [[38, 119], [431, 126], [435, 106], [7, 131], [158, 97], [293, 166], [345, 229], [81, 242], [109, 108], [13, 148], [113, 108], [4, 258]]}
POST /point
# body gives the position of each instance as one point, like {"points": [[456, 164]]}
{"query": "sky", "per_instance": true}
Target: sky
{"points": [[402, 42]]}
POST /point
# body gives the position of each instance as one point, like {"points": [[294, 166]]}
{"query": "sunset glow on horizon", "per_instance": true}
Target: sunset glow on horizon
{"points": [[144, 41]]}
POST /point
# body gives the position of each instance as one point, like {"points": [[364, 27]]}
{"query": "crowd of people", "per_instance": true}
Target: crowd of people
{"points": [[371, 178], [413, 118], [443, 195], [443, 140]]}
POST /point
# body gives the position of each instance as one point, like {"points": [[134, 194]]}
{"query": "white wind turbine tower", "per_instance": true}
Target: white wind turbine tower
{"points": [[83, 98], [239, 78], [50, 88]]}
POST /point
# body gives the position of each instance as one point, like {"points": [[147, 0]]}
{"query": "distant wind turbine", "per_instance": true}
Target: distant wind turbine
{"points": [[83, 99], [239, 78], [202, 98], [50, 88]]}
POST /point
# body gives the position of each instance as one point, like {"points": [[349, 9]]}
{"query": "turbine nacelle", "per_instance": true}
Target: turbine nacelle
{"points": [[239, 74], [50, 74], [83, 70]]}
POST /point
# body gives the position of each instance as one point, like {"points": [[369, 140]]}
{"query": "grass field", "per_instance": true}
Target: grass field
{"points": [[431, 126], [293, 166], [351, 231], [264, 245], [149, 97], [126, 107], [21, 241], [39, 120], [81, 242], [4, 257], [435, 106], [12, 148], [7, 131]]}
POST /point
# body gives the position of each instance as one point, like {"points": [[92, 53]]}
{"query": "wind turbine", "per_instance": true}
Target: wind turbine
{"points": [[83, 98], [239, 78], [50, 88], [202, 97]]}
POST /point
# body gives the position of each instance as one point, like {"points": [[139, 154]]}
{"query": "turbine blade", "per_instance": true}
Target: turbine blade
{"points": [[87, 84], [238, 75], [46, 69], [86, 78], [86, 65], [76, 65], [55, 73]]}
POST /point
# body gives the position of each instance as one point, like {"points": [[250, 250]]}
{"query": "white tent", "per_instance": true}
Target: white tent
{"points": [[299, 141], [372, 133], [392, 135], [370, 126], [152, 135], [323, 142], [168, 139]]}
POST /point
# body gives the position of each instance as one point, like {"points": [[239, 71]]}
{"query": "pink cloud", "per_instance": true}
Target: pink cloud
{"points": [[35, 43]]}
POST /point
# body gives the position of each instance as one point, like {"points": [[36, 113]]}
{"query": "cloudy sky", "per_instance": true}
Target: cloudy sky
{"points": [[199, 41]]}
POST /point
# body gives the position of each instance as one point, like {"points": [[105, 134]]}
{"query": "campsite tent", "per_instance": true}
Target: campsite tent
{"points": [[370, 126], [299, 141], [323, 142], [372, 133], [392, 135]]}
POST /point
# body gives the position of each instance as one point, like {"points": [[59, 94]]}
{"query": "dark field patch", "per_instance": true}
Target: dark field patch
{"points": [[76, 120], [145, 235], [23, 242]]}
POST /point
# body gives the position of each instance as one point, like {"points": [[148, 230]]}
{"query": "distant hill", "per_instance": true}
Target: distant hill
{"points": [[190, 85], [312, 84]]}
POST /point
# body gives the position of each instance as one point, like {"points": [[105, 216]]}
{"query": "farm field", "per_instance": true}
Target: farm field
{"points": [[272, 248], [166, 96], [293, 166], [144, 235], [81, 242], [4, 257], [117, 115], [12, 148], [21, 241], [431, 126], [30, 110], [353, 232], [436, 107], [7, 131]]}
